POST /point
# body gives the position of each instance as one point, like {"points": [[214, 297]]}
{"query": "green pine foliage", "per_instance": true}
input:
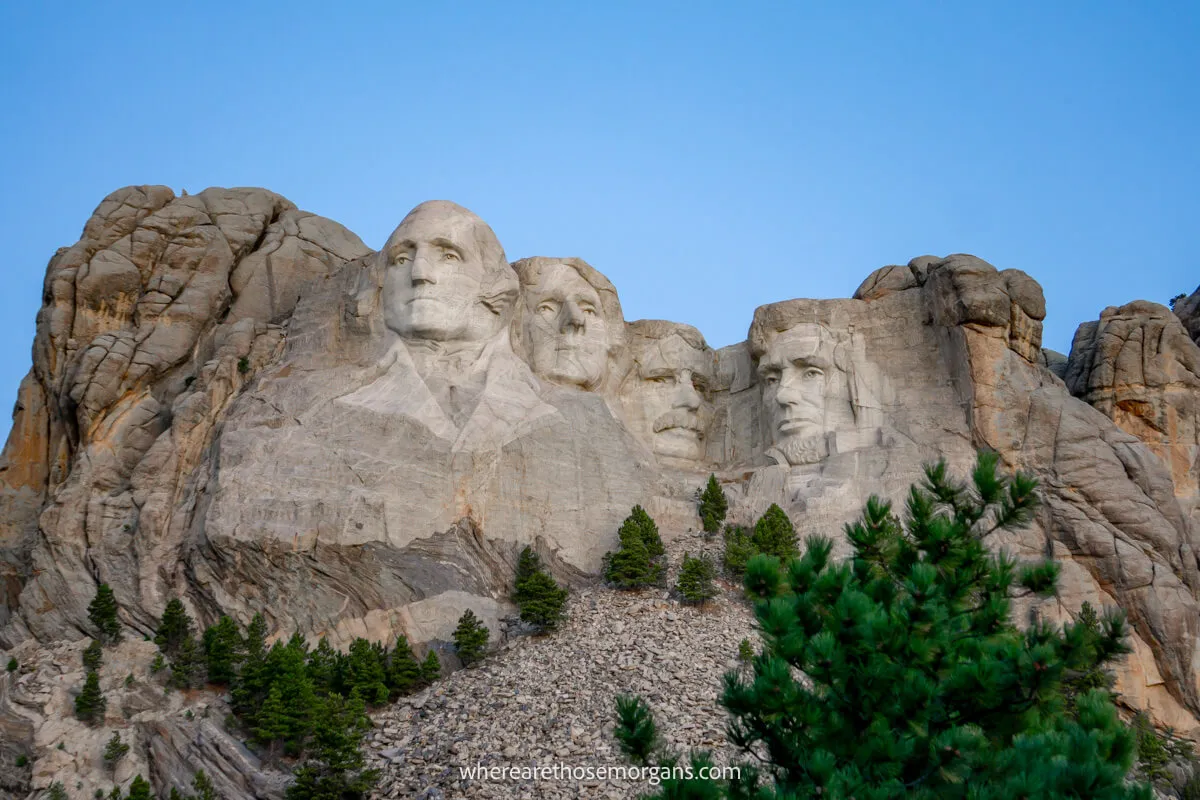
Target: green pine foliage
{"points": [[542, 601], [93, 656], [251, 684], [115, 750], [365, 672], [695, 583], [335, 768], [739, 548], [745, 651], [324, 668], [158, 664], [470, 638], [918, 685], [58, 792], [187, 665], [139, 789], [404, 671], [637, 562], [223, 650], [713, 506], [775, 535], [90, 703], [102, 611], [203, 787], [12, 664], [272, 726], [431, 667], [287, 669], [174, 627]]}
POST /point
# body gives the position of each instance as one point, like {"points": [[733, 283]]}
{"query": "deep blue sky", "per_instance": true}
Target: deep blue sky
{"points": [[707, 157]]}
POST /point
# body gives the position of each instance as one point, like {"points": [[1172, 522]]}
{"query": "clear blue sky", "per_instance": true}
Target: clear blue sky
{"points": [[707, 157]]}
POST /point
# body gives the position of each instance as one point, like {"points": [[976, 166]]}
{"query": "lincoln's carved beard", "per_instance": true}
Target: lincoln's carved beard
{"points": [[800, 450]]}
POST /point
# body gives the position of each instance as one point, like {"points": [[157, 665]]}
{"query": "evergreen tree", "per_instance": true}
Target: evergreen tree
{"points": [[918, 685], [287, 668], [204, 787], [250, 685], [775, 535], [93, 656], [541, 600], [174, 627], [115, 750], [323, 668], [102, 611], [158, 664], [139, 789], [335, 768], [739, 548], [90, 703], [745, 651], [431, 667], [271, 723], [404, 673], [654, 544], [470, 638], [223, 651], [187, 666], [366, 672], [12, 664], [634, 565], [713, 506], [58, 792], [695, 583], [115, 794]]}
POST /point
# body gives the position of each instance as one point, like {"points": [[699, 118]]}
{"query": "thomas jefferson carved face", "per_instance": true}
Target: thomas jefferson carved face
{"points": [[672, 374], [794, 372], [565, 328], [443, 280]]}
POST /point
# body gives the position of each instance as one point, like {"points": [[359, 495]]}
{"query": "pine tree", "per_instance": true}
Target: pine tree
{"points": [[223, 651], [918, 685], [323, 668], [470, 638], [713, 506], [174, 627], [139, 789], [93, 656], [654, 544], [250, 685], [115, 794], [90, 703], [739, 548], [365, 672], [12, 664], [204, 787], [102, 611], [335, 768], [745, 651], [634, 564], [271, 723], [287, 669], [404, 673], [187, 666], [695, 584], [541, 600], [775, 535], [115, 750], [431, 667]]}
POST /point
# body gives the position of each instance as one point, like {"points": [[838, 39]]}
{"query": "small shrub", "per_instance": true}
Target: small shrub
{"points": [[57, 791], [745, 651], [739, 549], [158, 663], [243, 365], [22, 760], [695, 584], [1175, 300], [13, 666]]}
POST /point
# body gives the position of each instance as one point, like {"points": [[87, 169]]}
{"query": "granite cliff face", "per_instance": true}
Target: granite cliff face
{"points": [[238, 403]]}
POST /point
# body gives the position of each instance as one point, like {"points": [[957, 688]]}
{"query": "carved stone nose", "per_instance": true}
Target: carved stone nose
{"points": [[572, 317]]}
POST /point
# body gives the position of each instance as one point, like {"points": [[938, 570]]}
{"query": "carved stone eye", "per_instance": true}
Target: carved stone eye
{"points": [[402, 258], [450, 255], [813, 373], [547, 308]]}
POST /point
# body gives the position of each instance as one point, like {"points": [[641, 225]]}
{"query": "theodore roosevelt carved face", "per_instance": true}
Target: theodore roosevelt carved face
{"points": [[446, 278], [570, 321], [665, 392]]}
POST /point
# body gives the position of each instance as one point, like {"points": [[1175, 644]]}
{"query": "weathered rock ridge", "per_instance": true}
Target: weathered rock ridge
{"points": [[239, 403]]}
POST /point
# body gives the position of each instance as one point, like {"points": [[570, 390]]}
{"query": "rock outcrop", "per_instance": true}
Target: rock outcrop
{"points": [[238, 403]]}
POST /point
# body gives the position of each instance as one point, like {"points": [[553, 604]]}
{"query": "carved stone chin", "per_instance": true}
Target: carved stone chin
{"points": [[800, 450]]}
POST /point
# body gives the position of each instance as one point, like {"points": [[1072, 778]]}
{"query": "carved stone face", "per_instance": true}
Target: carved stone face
{"points": [[671, 376], [434, 282], [794, 371], [565, 328]]}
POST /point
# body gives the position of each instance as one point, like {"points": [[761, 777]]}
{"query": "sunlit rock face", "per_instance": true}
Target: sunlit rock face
{"points": [[240, 404]]}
